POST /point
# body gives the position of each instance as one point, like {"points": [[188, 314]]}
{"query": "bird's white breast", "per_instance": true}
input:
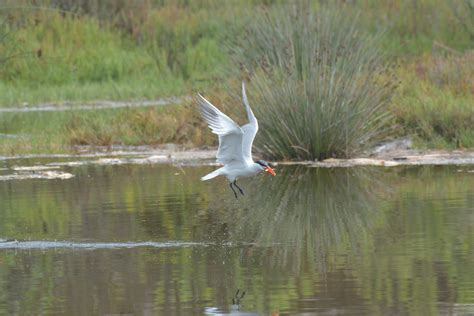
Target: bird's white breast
{"points": [[233, 171]]}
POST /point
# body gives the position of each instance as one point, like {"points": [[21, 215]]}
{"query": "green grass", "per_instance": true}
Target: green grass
{"points": [[43, 132], [46, 56], [413, 26], [54, 51], [135, 89], [437, 119], [435, 102]]}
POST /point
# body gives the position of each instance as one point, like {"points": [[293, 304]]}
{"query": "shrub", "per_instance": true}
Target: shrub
{"points": [[317, 83]]}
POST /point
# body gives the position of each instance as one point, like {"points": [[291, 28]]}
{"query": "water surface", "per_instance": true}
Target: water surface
{"points": [[153, 239]]}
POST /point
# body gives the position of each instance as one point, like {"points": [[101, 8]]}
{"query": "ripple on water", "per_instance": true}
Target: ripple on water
{"points": [[43, 244]]}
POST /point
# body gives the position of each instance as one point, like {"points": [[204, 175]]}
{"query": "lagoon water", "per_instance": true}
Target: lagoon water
{"points": [[152, 239]]}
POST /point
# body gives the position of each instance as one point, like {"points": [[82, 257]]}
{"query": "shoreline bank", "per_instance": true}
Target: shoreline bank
{"points": [[171, 153]]}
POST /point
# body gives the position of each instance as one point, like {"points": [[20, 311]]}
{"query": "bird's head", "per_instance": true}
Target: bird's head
{"points": [[265, 166]]}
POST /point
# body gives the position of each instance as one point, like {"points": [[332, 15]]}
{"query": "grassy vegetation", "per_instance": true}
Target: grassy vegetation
{"points": [[64, 50], [40, 132], [435, 102], [318, 82], [412, 26], [53, 56]]}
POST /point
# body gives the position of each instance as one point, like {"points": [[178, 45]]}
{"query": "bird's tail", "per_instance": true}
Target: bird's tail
{"points": [[211, 175]]}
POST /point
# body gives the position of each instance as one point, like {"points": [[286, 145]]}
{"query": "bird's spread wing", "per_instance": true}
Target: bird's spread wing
{"points": [[250, 129], [230, 134]]}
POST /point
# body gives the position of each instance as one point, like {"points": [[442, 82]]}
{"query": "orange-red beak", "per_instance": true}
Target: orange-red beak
{"points": [[270, 171]]}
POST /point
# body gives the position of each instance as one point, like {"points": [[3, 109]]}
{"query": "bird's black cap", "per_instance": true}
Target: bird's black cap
{"points": [[262, 163]]}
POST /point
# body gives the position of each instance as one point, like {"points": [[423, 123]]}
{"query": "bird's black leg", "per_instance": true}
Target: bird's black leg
{"points": [[240, 189], [230, 184]]}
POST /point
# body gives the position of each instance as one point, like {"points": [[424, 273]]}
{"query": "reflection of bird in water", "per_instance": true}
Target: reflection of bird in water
{"points": [[235, 144], [234, 308], [237, 298]]}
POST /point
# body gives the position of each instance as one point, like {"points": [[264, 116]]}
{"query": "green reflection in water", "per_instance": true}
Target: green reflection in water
{"points": [[352, 240], [309, 211]]}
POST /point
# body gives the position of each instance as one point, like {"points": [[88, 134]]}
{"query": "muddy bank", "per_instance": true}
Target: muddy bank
{"points": [[171, 153], [397, 158], [165, 153], [45, 166]]}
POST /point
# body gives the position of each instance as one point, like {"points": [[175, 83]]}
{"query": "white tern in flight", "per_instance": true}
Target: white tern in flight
{"points": [[235, 144]]}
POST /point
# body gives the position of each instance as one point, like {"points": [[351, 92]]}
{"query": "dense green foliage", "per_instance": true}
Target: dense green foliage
{"points": [[64, 50]]}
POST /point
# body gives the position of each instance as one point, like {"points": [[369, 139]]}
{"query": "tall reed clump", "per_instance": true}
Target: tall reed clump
{"points": [[317, 85]]}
